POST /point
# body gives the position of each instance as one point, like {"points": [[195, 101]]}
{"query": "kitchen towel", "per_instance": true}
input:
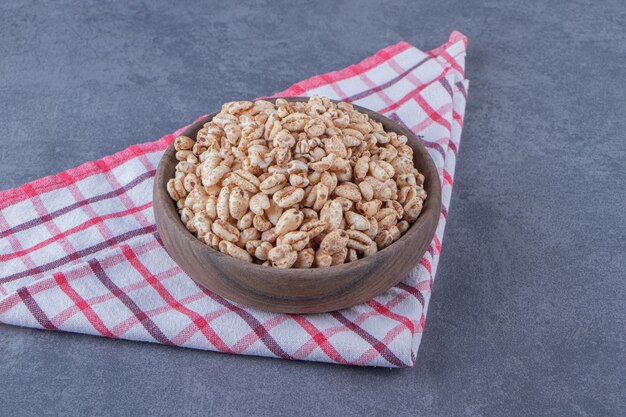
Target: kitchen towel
{"points": [[80, 252]]}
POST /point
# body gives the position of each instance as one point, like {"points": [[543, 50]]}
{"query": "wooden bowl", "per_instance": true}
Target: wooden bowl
{"points": [[313, 290]]}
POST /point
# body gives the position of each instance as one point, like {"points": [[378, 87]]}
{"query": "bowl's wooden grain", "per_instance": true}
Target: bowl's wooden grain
{"points": [[298, 290]]}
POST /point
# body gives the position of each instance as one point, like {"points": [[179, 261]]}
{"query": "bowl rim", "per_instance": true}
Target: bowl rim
{"points": [[432, 204]]}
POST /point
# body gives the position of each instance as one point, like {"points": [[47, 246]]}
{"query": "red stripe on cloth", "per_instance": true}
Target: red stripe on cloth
{"points": [[422, 324], [452, 61], [417, 97], [319, 338], [9, 302], [199, 321], [383, 349], [429, 120], [334, 86], [82, 305], [311, 345], [437, 243], [388, 313], [143, 318], [455, 36], [34, 309], [411, 95], [432, 113]]}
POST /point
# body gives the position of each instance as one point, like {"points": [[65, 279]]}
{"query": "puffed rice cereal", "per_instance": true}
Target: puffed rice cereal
{"points": [[296, 184]]}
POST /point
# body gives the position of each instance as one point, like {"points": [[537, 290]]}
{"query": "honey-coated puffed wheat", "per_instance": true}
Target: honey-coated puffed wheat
{"points": [[296, 184]]}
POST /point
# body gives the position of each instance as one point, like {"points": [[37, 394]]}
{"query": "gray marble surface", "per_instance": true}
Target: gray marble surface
{"points": [[528, 314]]}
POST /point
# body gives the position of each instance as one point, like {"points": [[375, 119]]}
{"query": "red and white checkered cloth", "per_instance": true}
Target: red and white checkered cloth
{"points": [[79, 251]]}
